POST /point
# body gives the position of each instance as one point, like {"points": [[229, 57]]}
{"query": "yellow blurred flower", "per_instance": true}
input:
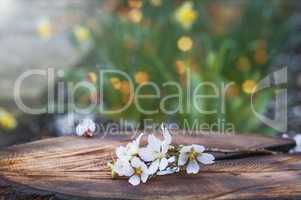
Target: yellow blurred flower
{"points": [[94, 97], [232, 91], [92, 23], [243, 63], [92, 77], [7, 121], [44, 28], [180, 67], [116, 83], [261, 56], [261, 44], [81, 33], [141, 77], [135, 3], [156, 3], [249, 86], [135, 15], [223, 16], [125, 87], [185, 15], [185, 43], [126, 98], [84, 99], [129, 43]]}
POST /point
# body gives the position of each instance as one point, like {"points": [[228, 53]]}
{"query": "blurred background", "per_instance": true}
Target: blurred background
{"points": [[240, 41]]}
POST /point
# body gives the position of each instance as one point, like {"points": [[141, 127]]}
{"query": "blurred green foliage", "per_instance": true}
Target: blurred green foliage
{"points": [[160, 41]]}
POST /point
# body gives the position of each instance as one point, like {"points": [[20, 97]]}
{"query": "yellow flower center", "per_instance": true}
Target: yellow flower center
{"points": [[135, 152], [193, 154], [159, 155], [138, 171]]}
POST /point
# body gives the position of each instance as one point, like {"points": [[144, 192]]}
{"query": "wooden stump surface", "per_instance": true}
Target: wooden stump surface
{"points": [[74, 167]]}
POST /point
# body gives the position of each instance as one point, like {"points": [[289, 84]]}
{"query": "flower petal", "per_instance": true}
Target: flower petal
{"points": [[121, 152], [164, 148], [297, 139], [128, 171], [154, 143], [134, 180], [192, 167], [183, 157], [146, 154], [198, 148], [206, 158], [153, 168], [80, 130], [143, 166], [163, 164], [123, 168], [136, 162], [166, 135], [165, 172], [144, 176], [186, 149], [171, 159], [168, 171], [297, 149], [136, 142], [90, 124], [118, 168]]}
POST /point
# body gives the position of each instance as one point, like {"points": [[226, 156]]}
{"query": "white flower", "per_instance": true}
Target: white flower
{"points": [[297, 148], [140, 172], [156, 152], [130, 150], [86, 128], [123, 168], [297, 139], [194, 154], [136, 170]]}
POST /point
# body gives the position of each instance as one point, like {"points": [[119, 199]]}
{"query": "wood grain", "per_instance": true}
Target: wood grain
{"points": [[73, 167]]}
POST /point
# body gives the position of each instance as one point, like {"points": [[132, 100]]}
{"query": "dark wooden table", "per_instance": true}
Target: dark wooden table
{"points": [[75, 168]]}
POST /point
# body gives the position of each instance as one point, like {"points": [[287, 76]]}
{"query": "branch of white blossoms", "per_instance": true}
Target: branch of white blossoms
{"points": [[158, 157]]}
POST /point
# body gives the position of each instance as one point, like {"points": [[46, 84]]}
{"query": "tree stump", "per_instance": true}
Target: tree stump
{"points": [[76, 168]]}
